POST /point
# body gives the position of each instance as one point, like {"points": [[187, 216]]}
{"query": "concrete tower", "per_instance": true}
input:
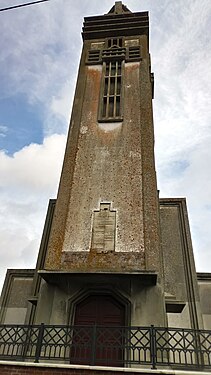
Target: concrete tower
{"points": [[104, 240]]}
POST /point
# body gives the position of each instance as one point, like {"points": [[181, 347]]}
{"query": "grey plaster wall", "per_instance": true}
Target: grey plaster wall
{"points": [[15, 294], [180, 279], [204, 281], [174, 274], [180, 320]]}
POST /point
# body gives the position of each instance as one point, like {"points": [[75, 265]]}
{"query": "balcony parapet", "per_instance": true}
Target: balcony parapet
{"points": [[176, 348]]}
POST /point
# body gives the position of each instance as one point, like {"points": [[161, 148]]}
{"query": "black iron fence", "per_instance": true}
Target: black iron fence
{"points": [[107, 346]]}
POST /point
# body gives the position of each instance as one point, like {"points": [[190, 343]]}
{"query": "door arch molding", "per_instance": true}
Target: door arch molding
{"points": [[88, 292]]}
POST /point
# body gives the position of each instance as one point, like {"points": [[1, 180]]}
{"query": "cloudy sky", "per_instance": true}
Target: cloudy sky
{"points": [[40, 47]]}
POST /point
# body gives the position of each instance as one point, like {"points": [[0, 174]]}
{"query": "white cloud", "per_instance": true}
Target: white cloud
{"points": [[33, 167], [3, 131], [59, 109], [28, 180]]}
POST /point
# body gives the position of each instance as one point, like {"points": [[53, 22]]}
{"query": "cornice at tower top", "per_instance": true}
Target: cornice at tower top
{"points": [[119, 21]]}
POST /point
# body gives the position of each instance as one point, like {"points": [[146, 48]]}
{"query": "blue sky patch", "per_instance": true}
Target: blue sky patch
{"points": [[176, 168], [179, 166], [20, 124]]}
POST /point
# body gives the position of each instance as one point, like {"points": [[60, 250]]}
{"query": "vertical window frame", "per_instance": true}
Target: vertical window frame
{"points": [[105, 93]]}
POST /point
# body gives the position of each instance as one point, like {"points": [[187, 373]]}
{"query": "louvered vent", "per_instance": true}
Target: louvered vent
{"points": [[114, 53], [134, 53], [94, 57]]}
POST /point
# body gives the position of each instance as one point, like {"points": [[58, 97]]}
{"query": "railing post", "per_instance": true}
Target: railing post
{"points": [[198, 351], [39, 342], [26, 342], [94, 336], [153, 347]]}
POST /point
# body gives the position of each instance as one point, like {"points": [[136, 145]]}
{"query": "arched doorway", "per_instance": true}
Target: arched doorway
{"points": [[98, 332]]}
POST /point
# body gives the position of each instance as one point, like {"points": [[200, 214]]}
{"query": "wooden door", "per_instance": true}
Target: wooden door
{"points": [[98, 336]]}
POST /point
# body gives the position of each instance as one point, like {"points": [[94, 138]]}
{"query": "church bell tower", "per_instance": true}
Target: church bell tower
{"points": [[102, 261]]}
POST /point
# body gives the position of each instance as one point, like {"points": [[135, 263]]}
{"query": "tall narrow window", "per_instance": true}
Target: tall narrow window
{"points": [[111, 98], [113, 57]]}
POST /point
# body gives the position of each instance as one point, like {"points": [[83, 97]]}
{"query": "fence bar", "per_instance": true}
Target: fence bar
{"points": [[39, 343], [153, 347], [93, 354]]}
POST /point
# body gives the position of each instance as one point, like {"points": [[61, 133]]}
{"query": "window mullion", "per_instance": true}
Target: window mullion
{"points": [[108, 91], [115, 88]]}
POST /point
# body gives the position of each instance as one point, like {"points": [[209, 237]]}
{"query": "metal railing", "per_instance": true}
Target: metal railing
{"points": [[107, 346]]}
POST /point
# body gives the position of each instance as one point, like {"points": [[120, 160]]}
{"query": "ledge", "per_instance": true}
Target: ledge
{"points": [[33, 300], [101, 368], [56, 276], [174, 306], [204, 276]]}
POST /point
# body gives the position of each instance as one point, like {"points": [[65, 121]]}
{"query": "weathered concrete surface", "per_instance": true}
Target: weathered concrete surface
{"points": [[180, 278], [114, 165]]}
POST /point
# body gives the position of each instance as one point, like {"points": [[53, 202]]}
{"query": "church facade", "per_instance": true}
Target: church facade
{"points": [[112, 252]]}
